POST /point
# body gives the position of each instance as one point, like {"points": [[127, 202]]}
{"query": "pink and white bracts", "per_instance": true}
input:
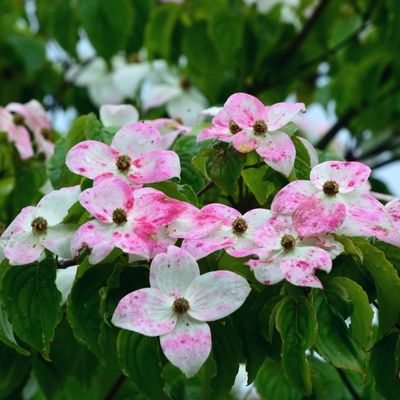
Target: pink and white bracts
{"points": [[217, 226], [285, 255], [336, 199], [135, 155], [38, 228], [178, 304], [133, 221], [392, 236], [249, 125]]}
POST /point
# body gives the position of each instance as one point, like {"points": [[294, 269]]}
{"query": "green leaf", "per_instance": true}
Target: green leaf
{"points": [[385, 366], [14, 370], [7, 335], [107, 24], [33, 303], [302, 163], [297, 325], [271, 383], [254, 178], [387, 284], [223, 166], [139, 357], [176, 191], [268, 315], [227, 355], [361, 318], [334, 341], [350, 247], [160, 30]]}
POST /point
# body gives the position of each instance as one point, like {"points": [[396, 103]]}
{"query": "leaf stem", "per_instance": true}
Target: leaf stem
{"points": [[349, 385], [205, 188], [114, 389]]}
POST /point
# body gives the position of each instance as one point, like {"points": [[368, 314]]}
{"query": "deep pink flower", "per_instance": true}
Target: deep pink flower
{"points": [[133, 221], [16, 133], [35, 118], [335, 199], [249, 125], [285, 255], [38, 228], [178, 304], [134, 155], [217, 226]]}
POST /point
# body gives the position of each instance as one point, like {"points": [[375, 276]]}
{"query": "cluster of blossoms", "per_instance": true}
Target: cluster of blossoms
{"points": [[292, 241], [28, 128]]}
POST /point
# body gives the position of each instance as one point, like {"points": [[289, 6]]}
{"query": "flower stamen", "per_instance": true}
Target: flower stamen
{"points": [[123, 163], [234, 127], [39, 225], [260, 127], [239, 226], [288, 242], [18, 119], [181, 305], [119, 216], [330, 188]]}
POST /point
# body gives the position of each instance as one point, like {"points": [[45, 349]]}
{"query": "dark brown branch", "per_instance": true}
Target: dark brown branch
{"points": [[205, 188]]}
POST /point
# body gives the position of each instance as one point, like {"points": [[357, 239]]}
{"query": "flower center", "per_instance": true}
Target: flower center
{"points": [[288, 242], [181, 305], [119, 216], [260, 127], [39, 225], [239, 226], [234, 127], [46, 133], [185, 83], [123, 162], [18, 119], [330, 188]]}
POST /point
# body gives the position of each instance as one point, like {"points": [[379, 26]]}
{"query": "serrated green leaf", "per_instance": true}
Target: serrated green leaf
{"points": [[176, 191], [302, 163], [254, 178], [33, 303], [139, 357]]}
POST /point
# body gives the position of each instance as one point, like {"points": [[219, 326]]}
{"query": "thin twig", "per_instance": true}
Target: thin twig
{"points": [[349, 385], [114, 389], [205, 188]]}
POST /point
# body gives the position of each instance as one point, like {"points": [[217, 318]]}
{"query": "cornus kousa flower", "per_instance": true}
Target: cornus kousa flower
{"points": [[392, 236], [178, 304], [133, 221], [249, 125], [118, 116], [38, 228], [170, 129], [33, 116], [134, 155], [286, 255], [16, 132], [217, 226], [335, 199]]}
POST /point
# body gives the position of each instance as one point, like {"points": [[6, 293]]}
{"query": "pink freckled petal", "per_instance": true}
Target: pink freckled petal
{"points": [[23, 248], [245, 141], [216, 294], [188, 345], [317, 216], [147, 311], [348, 175], [267, 271], [278, 151], [280, 114], [172, 272]]}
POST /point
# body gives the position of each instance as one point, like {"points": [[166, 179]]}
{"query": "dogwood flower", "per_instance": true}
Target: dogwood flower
{"points": [[16, 132], [133, 221], [217, 226], [249, 125], [38, 228], [286, 255], [178, 304], [134, 155], [336, 199], [117, 116], [169, 129], [64, 280], [34, 116], [164, 86], [392, 236]]}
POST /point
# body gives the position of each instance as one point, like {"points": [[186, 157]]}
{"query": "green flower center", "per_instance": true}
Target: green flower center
{"points": [[181, 305], [39, 225], [123, 162], [119, 216], [239, 226], [288, 242], [330, 188]]}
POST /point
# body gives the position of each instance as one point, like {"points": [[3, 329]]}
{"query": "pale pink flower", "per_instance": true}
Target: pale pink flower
{"points": [[217, 226], [35, 118], [249, 125], [17, 133], [336, 199], [117, 116], [133, 221], [170, 129], [178, 304], [134, 155], [286, 255], [392, 236], [38, 228]]}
